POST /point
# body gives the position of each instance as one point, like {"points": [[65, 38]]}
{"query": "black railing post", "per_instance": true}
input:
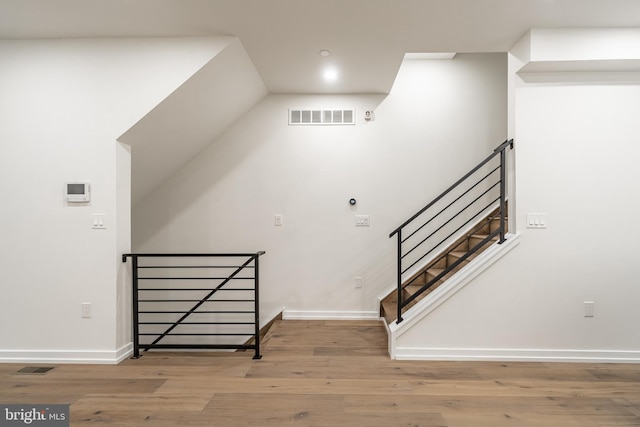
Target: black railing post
{"points": [[503, 191], [136, 339], [256, 273], [399, 276]]}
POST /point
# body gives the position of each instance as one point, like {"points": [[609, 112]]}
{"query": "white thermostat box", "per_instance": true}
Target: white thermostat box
{"points": [[77, 192]]}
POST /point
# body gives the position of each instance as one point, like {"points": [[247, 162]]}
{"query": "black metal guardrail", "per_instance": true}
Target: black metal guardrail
{"points": [[478, 191], [195, 301]]}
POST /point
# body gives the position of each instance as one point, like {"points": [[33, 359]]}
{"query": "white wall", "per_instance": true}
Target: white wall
{"points": [[584, 44], [440, 119], [576, 154], [123, 246], [186, 121], [63, 103]]}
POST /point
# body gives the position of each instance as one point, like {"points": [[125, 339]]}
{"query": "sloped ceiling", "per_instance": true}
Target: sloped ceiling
{"points": [[189, 119], [273, 47], [367, 38]]}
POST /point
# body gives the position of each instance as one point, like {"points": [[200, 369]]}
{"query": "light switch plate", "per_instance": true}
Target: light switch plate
{"points": [[536, 220], [363, 221], [99, 221]]}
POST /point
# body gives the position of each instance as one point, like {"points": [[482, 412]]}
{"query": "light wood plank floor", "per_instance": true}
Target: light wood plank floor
{"points": [[331, 373]]}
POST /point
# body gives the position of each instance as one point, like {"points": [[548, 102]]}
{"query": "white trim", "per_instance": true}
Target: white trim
{"points": [[455, 283], [416, 56], [124, 352], [517, 355], [101, 357], [329, 315], [449, 288]]}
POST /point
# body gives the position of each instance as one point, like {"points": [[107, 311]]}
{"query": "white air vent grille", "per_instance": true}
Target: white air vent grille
{"points": [[322, 117]]}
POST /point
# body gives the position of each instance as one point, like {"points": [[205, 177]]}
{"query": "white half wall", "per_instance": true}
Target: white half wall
{"points": [[63, 103], [440, 119]]}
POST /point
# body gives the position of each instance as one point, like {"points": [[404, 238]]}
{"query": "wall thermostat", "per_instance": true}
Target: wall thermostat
{"points": [[77, 192], [369, 115]]}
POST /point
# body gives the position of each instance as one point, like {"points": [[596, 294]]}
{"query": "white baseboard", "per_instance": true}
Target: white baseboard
{"points": [[124, 352], [98, 357], [517, 355], [329, 315]]}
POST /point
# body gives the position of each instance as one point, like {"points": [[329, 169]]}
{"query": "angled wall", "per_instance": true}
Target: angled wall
{"points": [[185, 122]]}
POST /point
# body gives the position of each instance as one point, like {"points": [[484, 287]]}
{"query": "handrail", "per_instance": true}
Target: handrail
{"points": [[190, 255], [163, 306], [497, 151], [448, 224]]}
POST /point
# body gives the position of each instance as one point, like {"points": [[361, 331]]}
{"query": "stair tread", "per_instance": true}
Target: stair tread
{"points": [[412, 289], [482, 237], [457, 250], [389, 310], [389, 306], [460, 254], [437, 271]]}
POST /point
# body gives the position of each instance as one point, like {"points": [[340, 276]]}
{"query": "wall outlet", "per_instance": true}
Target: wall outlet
{"points": [[277, 220], [589, 309], [358, 282], [86, 310]]}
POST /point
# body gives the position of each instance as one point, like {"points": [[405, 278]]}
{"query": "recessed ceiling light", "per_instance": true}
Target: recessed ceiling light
{"points": [[330, 75], [325, 53]]}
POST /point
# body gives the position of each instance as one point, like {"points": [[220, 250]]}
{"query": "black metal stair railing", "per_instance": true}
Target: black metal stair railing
{"points": [[195, 301], [449, 215]]}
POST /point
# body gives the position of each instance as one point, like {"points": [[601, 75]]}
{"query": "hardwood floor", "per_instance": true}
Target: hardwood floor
{"points": [[331, 373]]}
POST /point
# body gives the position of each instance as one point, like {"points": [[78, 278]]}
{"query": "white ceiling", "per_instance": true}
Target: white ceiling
{"points": [[367, 38]]}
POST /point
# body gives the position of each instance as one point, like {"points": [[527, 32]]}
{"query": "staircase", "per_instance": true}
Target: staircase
{"points": [[449, 233], [444, 263]]}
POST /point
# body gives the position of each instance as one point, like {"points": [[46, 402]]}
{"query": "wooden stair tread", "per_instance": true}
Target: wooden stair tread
{"points": [[411, 290], [460, 254], [437, 271], [480, 237], [389, 310], [456, 250]]}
